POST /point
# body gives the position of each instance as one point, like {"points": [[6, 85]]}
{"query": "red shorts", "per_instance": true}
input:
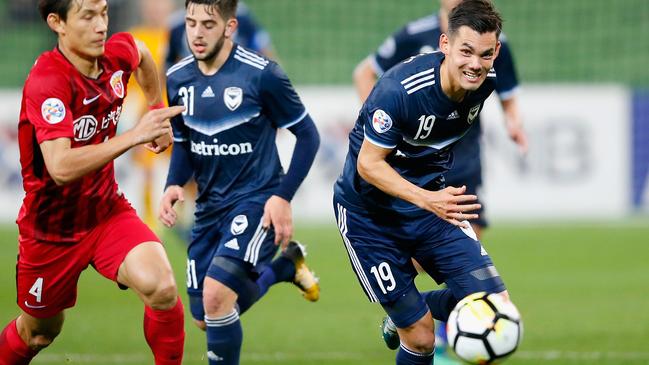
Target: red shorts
{"points": [[47, 272]]}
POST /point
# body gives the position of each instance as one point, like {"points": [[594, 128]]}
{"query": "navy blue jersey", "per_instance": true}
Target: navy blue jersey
{"points": [[408, 112], [422, 36], [249, 34], [229, 126]]}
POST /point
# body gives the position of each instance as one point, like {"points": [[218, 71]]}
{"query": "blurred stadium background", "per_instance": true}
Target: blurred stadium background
{"points": [[570, 221]]}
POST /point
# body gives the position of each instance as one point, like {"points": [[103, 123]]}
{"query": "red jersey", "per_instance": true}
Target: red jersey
{"points": [[59, 102]]}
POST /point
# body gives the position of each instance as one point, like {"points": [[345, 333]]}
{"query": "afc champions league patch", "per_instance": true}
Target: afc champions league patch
{"points": [[117, 84], [232, 97], [239, 224], [53, 110], [381, 121]]}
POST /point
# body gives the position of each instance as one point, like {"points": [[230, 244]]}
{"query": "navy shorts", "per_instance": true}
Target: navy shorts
{"points": [[236, 234], [380, 248]]}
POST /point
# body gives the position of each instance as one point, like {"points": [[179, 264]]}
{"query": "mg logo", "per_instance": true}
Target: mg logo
{"points": [[84, 128]]}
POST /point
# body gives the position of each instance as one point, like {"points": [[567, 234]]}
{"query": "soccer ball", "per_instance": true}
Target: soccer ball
{"points": [[484, 328]]}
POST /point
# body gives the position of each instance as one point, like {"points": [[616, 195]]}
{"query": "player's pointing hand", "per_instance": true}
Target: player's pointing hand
{"points": [[155, 124]]}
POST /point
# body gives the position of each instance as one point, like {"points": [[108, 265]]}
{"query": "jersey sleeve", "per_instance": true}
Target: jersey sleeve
{"points": [[179, 129], [506, 80], [279, 98], [383, 113], [123, 47], [393, 50], [47, 104]]}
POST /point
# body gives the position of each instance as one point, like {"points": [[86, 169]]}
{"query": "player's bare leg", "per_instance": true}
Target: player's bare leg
{"points": [[146, 270], [222, 325], [417, 342], [24, 337]]}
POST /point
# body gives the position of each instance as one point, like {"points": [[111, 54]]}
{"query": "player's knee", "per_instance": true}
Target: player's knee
{"points": [[161, 295], [419, 337], [200, 324], [218, 300], [38, 342]]}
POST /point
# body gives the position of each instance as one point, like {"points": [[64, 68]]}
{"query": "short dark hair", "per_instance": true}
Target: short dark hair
{"points": [[227, 8], [479, 15], [58, 7]]}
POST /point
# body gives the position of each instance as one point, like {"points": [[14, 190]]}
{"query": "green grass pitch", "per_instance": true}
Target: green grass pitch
{"points": [[583, 291]]}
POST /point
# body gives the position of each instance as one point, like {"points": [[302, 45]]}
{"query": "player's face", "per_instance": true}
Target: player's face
{"points": [[85, 29], [469, 57], [207, 31]]}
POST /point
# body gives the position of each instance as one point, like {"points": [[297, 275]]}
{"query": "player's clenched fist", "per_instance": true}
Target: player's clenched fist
{"points": [[451, 205], [155, 124]]}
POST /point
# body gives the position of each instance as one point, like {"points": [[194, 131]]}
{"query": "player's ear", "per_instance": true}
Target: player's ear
{"points": [[55, 23], [444, 43], [231, 27], [497, 49]]}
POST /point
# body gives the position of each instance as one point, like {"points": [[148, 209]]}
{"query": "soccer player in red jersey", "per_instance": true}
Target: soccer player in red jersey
{"points": [[73, 214]]}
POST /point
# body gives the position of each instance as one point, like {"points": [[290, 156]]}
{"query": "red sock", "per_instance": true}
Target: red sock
{"points": [[13, 350], [165, 333]]}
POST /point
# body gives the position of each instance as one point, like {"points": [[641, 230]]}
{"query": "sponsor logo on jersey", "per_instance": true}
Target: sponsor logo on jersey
{"points": [[453, 115], [84, 128], [232, 97], [87, 101], [473, 113], [117, 84], [215, 149], [208, 93], [53, 110], [239, 224], [381, 121], [232, 244]]}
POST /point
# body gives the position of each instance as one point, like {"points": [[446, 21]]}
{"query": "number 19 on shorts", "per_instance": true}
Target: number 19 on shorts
{"points": [[384, 277]]}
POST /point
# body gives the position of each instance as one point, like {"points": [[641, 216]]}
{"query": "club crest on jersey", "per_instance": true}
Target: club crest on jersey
{"points": [[53, 110], [232, 97], [239, 224], [117, 84], [473, 112], [381, 121]]}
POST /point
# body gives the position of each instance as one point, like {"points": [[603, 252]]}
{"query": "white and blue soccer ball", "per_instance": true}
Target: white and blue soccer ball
{"points": [[484, 328]]}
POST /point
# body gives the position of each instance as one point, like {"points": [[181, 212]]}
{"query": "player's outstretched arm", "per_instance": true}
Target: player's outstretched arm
{"points": [[66, 164], [147, 76], [449, 204], [364, 78]]}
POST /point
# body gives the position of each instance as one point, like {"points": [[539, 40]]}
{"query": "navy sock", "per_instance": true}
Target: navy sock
{"points": [[280, 270], [409, 357], [440, 302], [224, 338]]}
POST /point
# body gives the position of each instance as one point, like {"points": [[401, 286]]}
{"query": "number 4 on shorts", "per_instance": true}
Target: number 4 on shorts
{"points": [[37, 289]]}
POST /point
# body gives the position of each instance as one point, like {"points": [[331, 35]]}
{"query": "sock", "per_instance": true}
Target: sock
{"points": [[280, 270], [165, 333], [440, 302], [409, 357], [13, 350], [224, 338]]}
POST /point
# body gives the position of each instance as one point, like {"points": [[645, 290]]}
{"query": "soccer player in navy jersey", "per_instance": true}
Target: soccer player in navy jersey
{"points": [[422, 36], [235, 101], [391, 201], [249, 34], [73, 214]]}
